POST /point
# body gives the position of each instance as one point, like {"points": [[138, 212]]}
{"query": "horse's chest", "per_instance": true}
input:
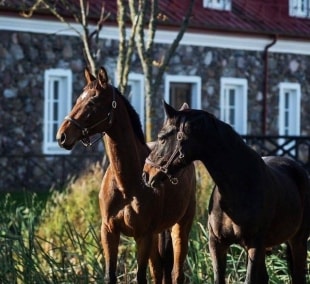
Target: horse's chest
{"points": [[223, 227], [134, 219]]}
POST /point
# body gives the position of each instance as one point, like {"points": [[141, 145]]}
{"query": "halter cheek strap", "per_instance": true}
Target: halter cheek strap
{"points": [[85, 130], [177, 150]]}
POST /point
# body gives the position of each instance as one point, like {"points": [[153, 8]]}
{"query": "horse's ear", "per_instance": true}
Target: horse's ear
{"points": [[184, 106], [88, 76], [169, 110], [102, 77]]}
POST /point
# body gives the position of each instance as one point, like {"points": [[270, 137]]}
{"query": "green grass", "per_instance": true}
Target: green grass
{"points": [[54, 238]]}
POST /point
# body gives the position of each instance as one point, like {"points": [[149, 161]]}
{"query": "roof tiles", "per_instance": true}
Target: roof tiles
{"points": [[246, 16]]}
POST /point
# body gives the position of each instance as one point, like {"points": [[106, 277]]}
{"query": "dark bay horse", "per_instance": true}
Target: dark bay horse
{"points": [[128, 206], [257, 203]]}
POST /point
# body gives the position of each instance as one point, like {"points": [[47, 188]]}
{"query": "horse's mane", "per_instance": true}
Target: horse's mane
{"points": [[134, 118], [232, 138]]}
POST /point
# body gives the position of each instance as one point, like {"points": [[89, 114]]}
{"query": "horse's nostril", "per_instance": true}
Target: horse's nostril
{"points": [[144, 177], [62, 138]]}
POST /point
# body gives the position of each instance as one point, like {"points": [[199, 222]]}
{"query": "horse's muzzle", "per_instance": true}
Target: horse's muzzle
{"points": [[153, 180]]}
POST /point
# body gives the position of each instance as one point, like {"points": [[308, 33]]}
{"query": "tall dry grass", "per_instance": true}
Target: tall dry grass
{"points": [[58, 241]]}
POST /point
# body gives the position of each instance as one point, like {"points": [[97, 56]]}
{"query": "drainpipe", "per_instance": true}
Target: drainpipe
{"points": [[265, 84]]}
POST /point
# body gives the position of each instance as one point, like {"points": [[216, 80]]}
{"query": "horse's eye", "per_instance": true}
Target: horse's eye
{"points": [[161, 140]]}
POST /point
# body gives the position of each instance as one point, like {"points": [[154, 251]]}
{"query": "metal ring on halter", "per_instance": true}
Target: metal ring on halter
{"points": [[173, 180], [179, 136]]}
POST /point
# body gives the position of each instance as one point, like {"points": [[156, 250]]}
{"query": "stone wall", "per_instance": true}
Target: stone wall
{"points": [[211, 64]]}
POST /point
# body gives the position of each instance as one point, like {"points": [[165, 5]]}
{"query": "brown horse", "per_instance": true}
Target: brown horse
{"points": [[257, 203], [127, 205]]}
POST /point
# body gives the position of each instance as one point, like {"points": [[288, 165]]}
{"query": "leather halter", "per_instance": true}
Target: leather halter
{"points": [[177, 150], [85, 130]]}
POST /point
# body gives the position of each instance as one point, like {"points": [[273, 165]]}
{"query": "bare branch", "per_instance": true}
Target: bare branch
{"points": [[53, 10], [126, 47], [28, 14], [81, 18], [174, 45], [152, 26], [122, 42], [140, 15]]}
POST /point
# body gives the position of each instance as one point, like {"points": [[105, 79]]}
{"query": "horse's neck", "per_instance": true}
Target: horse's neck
{"points": [[233, 167], [126, 154]]}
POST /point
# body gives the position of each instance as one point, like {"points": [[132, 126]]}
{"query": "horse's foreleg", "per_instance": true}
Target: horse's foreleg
{"points": [[180, 247], [155, 261], [110, 242], [144, 247], [166, 253], [256, 268], [218, 252]]}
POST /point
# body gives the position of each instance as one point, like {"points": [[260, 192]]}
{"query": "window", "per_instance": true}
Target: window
{"points": [[57, 104], [136, 94], [224, 5], [299, 8], [289, 115], [233, 103], [183, 89], [289, 109]]}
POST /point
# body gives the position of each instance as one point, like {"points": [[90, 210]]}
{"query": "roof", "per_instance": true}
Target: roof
{"points": [[246, 16]]}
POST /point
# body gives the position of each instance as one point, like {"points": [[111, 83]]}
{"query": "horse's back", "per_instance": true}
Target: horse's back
{"points": [[287, 168]]}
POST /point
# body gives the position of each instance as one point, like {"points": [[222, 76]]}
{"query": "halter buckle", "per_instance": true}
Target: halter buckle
{"points": [[179, 135]]}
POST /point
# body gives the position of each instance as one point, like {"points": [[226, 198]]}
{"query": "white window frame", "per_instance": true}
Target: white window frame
{"points": [[63, 104], [293, 90], [224, 5], [136, 96], [296, 8], [195, 82], [240, 87]]}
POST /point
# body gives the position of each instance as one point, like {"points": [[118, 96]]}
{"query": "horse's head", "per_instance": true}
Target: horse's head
{"points": [[175, 146], [92, 112]]}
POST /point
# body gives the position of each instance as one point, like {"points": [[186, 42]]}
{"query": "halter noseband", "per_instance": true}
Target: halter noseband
{"points": [[177, 150], [85, 130]]}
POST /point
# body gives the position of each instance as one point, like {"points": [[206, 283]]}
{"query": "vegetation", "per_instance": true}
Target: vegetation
{"points": [[56, 239]]}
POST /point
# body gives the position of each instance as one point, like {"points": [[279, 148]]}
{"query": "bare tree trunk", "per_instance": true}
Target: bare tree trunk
{"points": [[145, 45]]}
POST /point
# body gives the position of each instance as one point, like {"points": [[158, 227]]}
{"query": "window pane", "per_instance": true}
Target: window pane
{"points": [[232, 97], [54, 132], [55, 111], [179, 94], [232, 117], [56, 90], [286, 100]]}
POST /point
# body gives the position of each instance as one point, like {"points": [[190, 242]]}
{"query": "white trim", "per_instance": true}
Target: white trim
{"points": [[241, 106], [50, 145], [196, 88], [208, 39], [294, 110]]}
